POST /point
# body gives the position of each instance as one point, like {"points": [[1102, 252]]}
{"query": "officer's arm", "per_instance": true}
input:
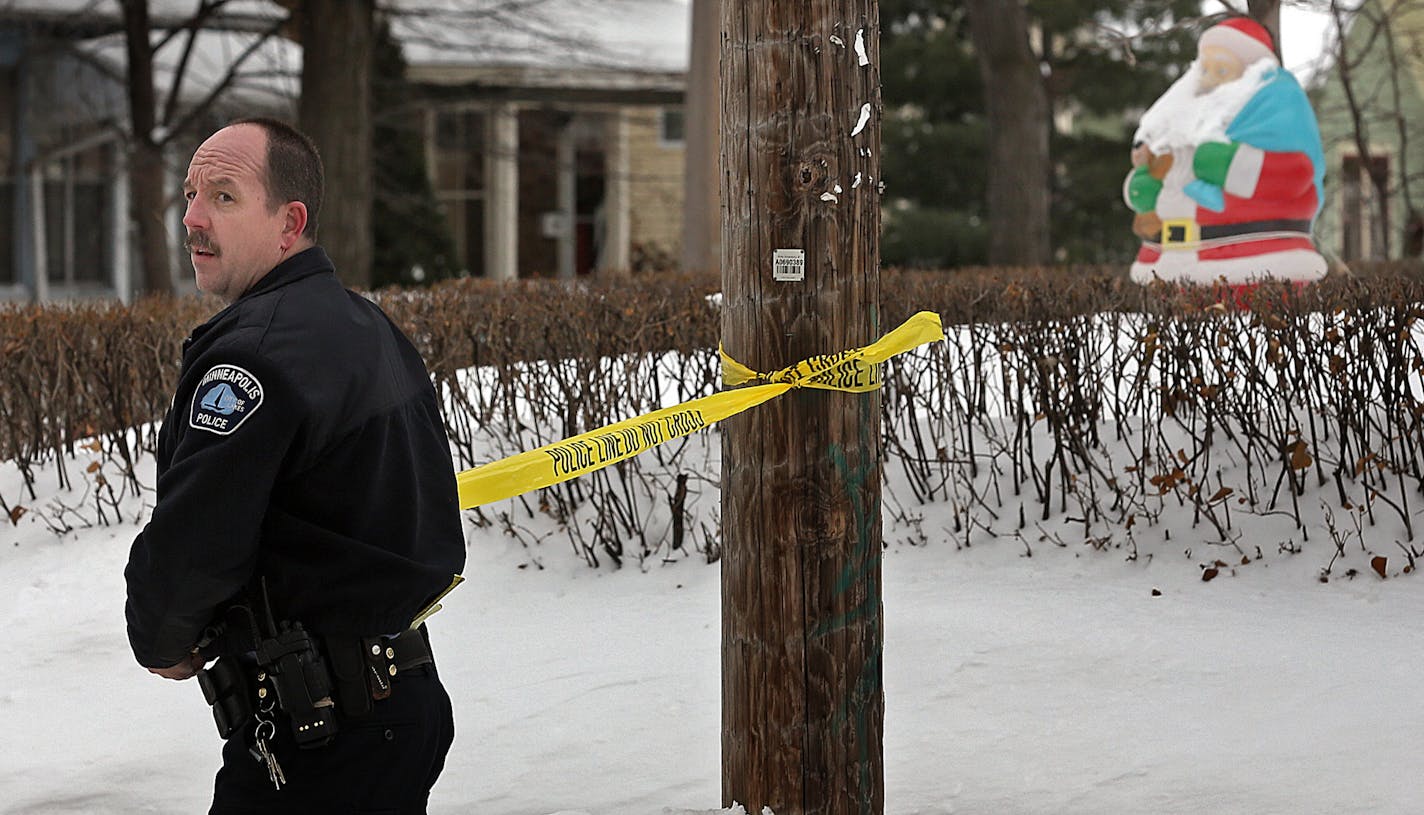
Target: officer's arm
{"points": [[200, 547]]}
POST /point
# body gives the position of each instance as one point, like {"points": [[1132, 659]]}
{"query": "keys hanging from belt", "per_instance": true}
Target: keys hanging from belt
{"points": [[265, 730]]}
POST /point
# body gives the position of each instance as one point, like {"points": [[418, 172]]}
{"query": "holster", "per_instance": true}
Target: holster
{"points": [[227, 687], [364, 669], [227, 684], [348, 669], [293, 661]]}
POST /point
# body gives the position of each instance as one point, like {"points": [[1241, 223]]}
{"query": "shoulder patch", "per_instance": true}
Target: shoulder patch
{"points": [[225, 397]]}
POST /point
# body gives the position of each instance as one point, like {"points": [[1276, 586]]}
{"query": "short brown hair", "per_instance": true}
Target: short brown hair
{"points": [[294, 171]]}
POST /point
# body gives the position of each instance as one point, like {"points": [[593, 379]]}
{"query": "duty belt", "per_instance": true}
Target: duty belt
{"points": [[287, 673]]}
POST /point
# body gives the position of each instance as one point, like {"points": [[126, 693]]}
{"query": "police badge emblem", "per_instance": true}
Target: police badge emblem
{"points": [[224, 398]]}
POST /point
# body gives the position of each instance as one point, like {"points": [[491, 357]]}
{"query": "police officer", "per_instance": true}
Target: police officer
{"points": [[303, 462]]}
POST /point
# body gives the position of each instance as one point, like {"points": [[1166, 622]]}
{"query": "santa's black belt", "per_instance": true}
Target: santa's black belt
{"points": [[1177, 231]]}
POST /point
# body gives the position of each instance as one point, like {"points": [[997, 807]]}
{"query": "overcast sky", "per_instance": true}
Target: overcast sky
{"points": [[1304, 35]]}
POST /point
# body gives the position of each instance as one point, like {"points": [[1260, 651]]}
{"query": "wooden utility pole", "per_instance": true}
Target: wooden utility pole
{"points": [[802, 703]]}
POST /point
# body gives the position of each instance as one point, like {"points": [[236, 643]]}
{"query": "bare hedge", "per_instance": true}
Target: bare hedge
{"points": [[79, 386], [1063, 393], [1090, 399]]}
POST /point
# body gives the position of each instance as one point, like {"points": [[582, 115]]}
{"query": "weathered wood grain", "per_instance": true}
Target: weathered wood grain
{"points": [[802, 632]]}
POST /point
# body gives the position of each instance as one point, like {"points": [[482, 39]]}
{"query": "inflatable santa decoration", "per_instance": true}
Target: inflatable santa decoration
{"points": [[1228, 169]]}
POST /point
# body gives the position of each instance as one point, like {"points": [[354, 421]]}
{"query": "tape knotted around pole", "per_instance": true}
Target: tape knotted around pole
{"points": [[856, 370]]}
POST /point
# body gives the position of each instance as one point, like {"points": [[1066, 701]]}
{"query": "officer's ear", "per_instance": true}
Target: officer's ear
{"points": [[294, 214]]}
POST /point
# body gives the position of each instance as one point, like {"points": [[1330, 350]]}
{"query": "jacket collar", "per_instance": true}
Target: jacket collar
{"points": [[302, 265]]}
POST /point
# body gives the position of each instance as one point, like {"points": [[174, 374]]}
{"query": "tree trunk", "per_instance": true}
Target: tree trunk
{"points": [[337, 38], [1017, 102], [147, 185], [802, 702], [1412, 238], [1345, 64], [701, 210], [1268, 14]]}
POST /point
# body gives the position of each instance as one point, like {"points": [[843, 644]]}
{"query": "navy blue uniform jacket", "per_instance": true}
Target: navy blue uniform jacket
{"points": [[304, 445]]}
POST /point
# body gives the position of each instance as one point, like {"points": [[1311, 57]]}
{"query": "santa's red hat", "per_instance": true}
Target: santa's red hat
{"points": [[1242, 36]]}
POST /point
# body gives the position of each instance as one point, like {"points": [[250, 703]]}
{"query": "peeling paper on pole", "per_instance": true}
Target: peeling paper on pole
{"points": [[864, 120], [853, 371], [860, 48]]}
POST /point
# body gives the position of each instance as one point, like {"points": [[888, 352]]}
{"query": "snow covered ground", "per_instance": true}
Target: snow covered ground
{"points": [[1052, 684]]}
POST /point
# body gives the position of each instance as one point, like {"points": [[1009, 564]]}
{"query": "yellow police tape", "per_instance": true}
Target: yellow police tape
{"points": [[855, 371]]}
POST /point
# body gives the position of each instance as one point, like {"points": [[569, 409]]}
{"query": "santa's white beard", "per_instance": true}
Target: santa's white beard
{"points": [[1180, 118]]}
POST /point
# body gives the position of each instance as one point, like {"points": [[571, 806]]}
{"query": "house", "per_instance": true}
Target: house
{"points": [[1381, 65], [65, 229], [553, 130]]}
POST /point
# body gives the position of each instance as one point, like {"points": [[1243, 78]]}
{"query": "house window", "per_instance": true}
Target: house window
{"points": [[79, 218], [673, 127], [1364, 216], [457, 146]]}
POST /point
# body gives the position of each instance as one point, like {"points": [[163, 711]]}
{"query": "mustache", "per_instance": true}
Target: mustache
{"points": [[199, 241]]}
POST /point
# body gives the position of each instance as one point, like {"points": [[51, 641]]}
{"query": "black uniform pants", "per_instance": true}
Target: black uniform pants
{"points": [[383, 763]]}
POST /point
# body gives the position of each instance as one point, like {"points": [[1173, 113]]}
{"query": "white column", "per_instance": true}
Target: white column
{"points": [[614, 256], [501, 213], [184, 278], [429, 123], [123, 274], [37, 212]]}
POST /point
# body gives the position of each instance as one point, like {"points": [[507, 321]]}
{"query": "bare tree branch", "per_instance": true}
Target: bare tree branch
{"points": [[205, 10], [227, 80]]}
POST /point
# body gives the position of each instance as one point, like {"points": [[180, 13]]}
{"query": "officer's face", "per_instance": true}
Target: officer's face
{"points": [[235, 235]]}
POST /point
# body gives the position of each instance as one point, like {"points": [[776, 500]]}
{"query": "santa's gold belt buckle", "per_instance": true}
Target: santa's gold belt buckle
{"points": [[1180, 232]]}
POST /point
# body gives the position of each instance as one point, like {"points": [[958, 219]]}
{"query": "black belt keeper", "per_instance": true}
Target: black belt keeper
{"points": [[365, 668]]}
